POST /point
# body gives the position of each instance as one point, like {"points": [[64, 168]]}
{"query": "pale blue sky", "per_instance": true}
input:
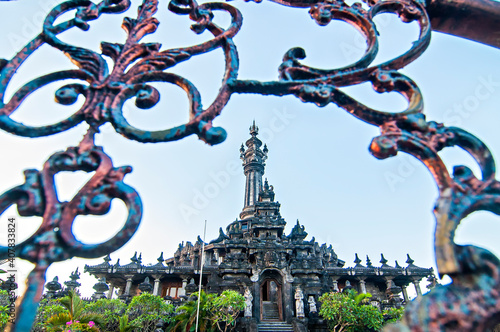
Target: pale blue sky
{"points": [[318, 162]]}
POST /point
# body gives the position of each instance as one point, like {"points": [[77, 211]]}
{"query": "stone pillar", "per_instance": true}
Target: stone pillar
{"points": [[110, 291], [156, 286], [417, 287], [128, 286], [362, 285], [405, 294]]}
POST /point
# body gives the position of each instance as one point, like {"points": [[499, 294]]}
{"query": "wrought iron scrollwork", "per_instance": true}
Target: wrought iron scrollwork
{"points": [[54, 240], [105, 92], [137, 65]]}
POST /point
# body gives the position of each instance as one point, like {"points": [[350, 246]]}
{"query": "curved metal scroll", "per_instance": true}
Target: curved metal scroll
{"points": [[54, 240], [471, 303]]}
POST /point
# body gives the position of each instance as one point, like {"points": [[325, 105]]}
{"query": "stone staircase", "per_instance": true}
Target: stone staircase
{"points": [[274, 327], [270, 311]]}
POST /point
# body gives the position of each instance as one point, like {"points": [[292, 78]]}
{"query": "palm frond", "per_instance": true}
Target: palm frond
{"points": [[58, 322]]}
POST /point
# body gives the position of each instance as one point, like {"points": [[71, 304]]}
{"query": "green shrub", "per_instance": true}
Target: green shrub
{"points": [[146, 309], [111, 311], [46, 309], [185, 319], [392, 315], [345, 312], [225, 309], [348, 312]]}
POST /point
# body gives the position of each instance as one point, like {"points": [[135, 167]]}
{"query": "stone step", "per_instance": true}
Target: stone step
{"points": [[270, 311], [270, 317], [274, 326]]}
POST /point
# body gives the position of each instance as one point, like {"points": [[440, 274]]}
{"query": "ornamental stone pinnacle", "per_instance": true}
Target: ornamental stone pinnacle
{"points": [[253, 167]]}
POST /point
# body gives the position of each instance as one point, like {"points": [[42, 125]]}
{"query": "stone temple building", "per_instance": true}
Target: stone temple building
{"points": [[281, 275]]}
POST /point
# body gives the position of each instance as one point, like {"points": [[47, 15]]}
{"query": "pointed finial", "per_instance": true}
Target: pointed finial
{"points": [[139, 260], [357, 260], [134, 258], [266, 185], [383, 260], [254, 130], [409, 261], [160, 259], [368, 261], [265, 150], [397, 265], [107, 258], [75, 275], [242, 149], [117, 263]]}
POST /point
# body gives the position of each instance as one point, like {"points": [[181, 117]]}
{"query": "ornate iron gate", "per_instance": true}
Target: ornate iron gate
{"points": [[471, 303]]}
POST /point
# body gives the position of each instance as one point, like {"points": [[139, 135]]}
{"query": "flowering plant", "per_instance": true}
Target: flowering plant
{"points": [[76, 326]]}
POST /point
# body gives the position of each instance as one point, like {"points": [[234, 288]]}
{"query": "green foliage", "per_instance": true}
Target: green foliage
{"points": [[345, 312], [4, 298], [46, 309], [185, 320], [4, 309], [225, 308], [141, 314], [82, 327], [125, 326], [111, 310], [4, 316], [146, 309], [72, 326], [392, 315], [2, 272], [349, 312], [359, 298], [74, 311]]}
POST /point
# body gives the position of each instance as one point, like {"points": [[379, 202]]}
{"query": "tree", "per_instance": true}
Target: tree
{"points": [[185, 320], [146, 309], [346, 312], [73, 314], [110, 309], [225, 309]]}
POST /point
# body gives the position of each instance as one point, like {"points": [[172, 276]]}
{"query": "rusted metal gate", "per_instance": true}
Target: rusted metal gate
{"points": [[471, 303]]}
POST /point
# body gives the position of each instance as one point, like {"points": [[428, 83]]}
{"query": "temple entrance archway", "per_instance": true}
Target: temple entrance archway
{"points": [[271, 298]]}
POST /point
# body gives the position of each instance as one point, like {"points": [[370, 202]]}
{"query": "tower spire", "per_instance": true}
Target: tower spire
{"points": [[253, 166]]}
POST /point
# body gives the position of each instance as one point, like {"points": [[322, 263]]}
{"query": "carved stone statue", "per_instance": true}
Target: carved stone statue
{"points": [[312, 304], [299, 303], [248, 302]]}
